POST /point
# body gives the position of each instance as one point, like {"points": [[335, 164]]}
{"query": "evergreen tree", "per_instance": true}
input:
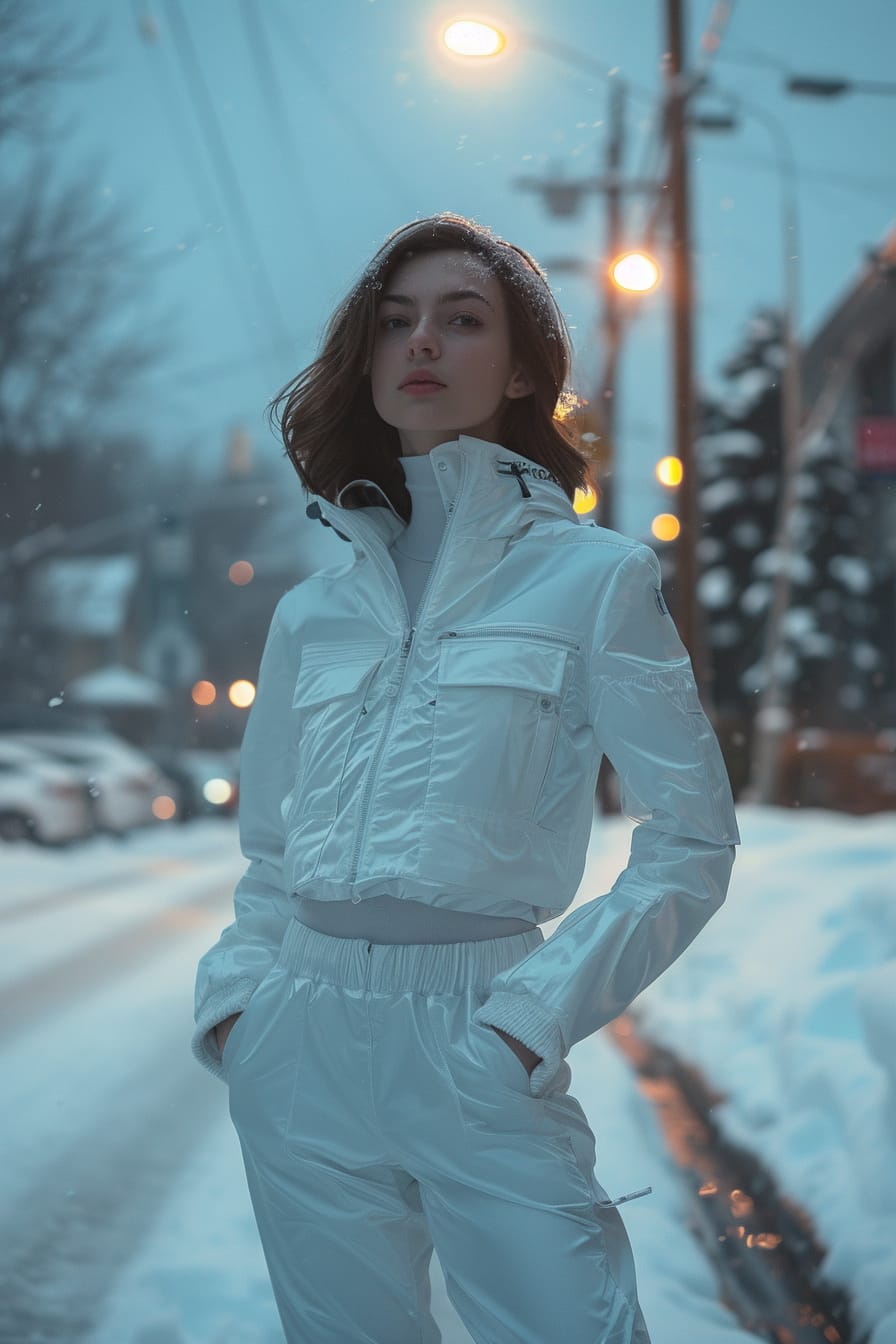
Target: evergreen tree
{"points": [[827, 657]]}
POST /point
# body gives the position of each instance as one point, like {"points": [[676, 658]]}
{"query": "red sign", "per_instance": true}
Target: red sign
{"points": [[876, 444]]}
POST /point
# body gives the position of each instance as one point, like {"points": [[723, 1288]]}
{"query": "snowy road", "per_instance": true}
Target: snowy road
{"points": [[102, 1111], [123, 1208]]}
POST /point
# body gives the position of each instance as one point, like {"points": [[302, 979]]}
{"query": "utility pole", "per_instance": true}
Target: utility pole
{"points": [[612, 324], [607, 782], [563, 198], [683, 598]]}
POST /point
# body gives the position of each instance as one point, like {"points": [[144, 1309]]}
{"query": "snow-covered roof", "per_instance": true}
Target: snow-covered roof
{"points": [[116, 685], [85, 595]]}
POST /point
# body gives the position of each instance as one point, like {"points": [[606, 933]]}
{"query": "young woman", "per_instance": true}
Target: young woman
{"points": [[417, 790]]}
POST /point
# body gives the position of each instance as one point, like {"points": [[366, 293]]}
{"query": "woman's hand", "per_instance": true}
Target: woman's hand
{"points": [[528, 1057], [223, 1030]]}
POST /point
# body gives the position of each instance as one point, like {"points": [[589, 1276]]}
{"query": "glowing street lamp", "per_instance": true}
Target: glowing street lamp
{"points": [[669, 471], [470, 37], [635, 273]]}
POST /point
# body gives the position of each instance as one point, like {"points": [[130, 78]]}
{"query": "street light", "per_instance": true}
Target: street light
{"points": [[833, 88], [772, 718], [811, 86], [635, 273], [470, 37]]}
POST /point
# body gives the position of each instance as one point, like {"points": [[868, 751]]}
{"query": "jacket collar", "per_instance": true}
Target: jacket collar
{"points": [[495, 492]]}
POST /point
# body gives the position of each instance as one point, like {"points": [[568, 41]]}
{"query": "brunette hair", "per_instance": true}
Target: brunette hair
{"points": [[331, 429]]}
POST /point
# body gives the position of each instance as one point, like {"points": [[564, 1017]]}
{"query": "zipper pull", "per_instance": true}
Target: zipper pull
{"points": [[635, 1194]]}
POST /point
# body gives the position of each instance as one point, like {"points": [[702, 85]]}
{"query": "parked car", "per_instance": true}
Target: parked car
{"points": [[41, 800], [207, 782], [122, 782]]}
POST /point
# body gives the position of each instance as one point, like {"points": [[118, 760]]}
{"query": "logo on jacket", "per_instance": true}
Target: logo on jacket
{"points": [[521, 468]]}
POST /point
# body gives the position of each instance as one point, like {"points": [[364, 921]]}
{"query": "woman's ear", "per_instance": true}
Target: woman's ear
{"points": [[519, 385]]}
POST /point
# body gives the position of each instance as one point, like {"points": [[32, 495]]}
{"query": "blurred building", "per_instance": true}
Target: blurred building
{"points": [[128, 613], [851, 360]]}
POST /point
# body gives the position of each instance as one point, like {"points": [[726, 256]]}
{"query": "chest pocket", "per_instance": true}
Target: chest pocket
{"points": [[331, 699], [497, 719]]}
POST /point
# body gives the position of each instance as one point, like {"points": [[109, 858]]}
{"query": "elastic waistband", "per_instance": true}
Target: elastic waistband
{"points": [[425, 968]]}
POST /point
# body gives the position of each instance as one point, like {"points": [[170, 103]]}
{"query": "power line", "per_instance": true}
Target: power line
{"points": [[254, 17], [299, 51], [234, 363], [655, 142], [540, 42], [216, 145], [194, 172], [824, 176]]}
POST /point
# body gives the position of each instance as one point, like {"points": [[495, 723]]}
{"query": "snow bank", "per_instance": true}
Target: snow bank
{"points": [[787, 1002]]}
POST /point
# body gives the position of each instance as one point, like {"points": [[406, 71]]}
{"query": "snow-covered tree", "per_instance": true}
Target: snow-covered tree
{"points": [[827, 656]]}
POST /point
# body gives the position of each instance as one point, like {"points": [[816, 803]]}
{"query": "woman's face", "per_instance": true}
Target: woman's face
{"points": [[443, 313]]}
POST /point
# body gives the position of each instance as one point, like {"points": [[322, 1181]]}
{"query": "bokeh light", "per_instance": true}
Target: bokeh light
{"points": [[669, 471], [241, 694], [635, 272], [471, 37], [665, 527]]}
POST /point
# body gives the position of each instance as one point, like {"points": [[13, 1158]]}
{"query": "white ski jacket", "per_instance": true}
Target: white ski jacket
{"points": [[455, 761]]}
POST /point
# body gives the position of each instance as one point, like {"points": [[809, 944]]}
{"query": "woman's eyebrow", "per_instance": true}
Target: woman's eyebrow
{"points": [[451, 297]]}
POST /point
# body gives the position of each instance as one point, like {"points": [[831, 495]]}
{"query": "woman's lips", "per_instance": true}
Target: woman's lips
{"points": [[422, 389]]}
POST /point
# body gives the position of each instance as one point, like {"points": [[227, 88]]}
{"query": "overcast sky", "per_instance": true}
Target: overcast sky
{"points": [[265, 166]]}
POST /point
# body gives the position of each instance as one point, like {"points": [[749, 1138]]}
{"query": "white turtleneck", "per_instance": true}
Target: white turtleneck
{"points": [[415, 550], [385, 919]]}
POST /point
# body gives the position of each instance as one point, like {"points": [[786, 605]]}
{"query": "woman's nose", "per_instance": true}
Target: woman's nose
{"points": [[421, 338]]}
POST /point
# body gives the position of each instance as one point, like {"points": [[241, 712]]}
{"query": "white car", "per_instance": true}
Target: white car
{"points": [[123, 783], [40, 799]]}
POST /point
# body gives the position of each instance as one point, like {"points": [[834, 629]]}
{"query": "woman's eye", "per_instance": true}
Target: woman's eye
{"points": [[466, 319]]}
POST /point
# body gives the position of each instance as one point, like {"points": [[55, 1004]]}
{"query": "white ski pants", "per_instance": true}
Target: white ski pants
{"points": [[376, 1122]]}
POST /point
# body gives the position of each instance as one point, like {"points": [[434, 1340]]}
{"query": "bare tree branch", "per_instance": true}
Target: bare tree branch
{"points": [[31, 58], [70, 265]]}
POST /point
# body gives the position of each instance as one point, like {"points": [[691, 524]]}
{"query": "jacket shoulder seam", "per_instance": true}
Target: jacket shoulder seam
{"points": [[627, 544]]}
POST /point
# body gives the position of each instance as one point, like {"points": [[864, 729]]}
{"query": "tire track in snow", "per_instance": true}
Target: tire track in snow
{"points": [[61, 896], [40, 994], [143, 869], [71, 1234]]}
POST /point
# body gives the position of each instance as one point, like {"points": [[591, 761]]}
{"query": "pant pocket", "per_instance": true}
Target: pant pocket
{"points": [[233, 1045], [258, 1068], [293, 1040], [489, 1083], [489, 1049]]}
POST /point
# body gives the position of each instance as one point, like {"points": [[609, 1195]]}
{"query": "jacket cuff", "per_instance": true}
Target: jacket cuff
{"points": [[525, 1018], [231, 999]]}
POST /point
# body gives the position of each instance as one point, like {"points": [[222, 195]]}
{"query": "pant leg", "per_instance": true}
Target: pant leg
{"points": [[376, 1118], [341, 1225], [506, 1179], [348, 1252]]}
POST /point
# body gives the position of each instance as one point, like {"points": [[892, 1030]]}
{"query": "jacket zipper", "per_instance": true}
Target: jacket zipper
{"points": [[512, 632], [395, 690]]}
